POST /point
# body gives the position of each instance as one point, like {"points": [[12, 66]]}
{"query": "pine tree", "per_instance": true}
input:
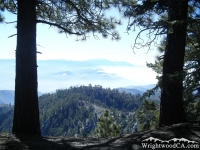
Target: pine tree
{"points": [[26, 112], [171, 20], [70, 17], [191, 70], [148, 115], [172, 111], [106, 126]]}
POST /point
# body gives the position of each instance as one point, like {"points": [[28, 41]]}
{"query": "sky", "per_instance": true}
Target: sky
{"points": [[54, 45]]}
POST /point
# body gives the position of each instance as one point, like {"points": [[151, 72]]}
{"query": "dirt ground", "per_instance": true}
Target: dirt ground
{"points": [[125, 142]]}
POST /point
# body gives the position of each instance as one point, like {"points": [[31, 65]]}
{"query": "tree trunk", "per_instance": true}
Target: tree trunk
{"points": [[26, 112], [171, 106]]}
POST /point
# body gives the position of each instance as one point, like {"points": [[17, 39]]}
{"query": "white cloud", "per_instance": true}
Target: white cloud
{"points": [[140, 75], [64, 74]]}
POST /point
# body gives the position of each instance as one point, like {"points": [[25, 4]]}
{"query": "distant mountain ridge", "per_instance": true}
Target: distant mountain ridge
{"points": [[136, 89], [6, 97], [132, 91], [142, 87], [99, 62]]}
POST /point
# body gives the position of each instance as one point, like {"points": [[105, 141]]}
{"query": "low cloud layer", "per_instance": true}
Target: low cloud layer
{"points": [[57, 74]]}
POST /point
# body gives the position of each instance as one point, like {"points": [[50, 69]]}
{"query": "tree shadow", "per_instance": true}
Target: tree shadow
{"points": [[114, 144], [21, 142], [125, 142]]}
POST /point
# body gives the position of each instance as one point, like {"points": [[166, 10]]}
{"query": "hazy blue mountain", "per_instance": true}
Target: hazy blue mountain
{"points": [[132, 91], [62, 63], [150, 86], [6, 97], [141, 88]]}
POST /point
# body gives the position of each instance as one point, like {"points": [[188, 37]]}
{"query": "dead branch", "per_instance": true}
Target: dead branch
{"points": [[12, 35]]}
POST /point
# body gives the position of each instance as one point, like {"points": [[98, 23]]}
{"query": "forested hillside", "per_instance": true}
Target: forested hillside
{"points": [[75, 111], [6, 117]]}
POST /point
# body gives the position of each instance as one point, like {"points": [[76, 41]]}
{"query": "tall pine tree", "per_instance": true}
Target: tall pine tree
{"points": [[26, 112], [69, 16], [191, 68], [170, 18], [171, 106]]}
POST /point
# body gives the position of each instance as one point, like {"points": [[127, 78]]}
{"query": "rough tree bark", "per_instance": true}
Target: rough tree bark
{"points": [[171, 106], [26, 112]]}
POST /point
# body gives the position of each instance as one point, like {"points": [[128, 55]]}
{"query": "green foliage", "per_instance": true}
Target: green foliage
{"points": [[148, 115], [1, 18], [73, 17], [2, 7], [106, 126], [6, 118], [9, 5], [74, 110]]}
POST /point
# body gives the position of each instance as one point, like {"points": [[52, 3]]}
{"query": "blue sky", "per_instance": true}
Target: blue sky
{"points": [[57, 46]]}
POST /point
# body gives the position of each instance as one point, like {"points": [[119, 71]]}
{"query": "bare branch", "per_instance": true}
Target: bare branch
{"points": [[12, 35], [38, 52], [10, 22], [152, 36]]}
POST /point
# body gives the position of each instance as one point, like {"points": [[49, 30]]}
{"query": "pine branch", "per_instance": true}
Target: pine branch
{"points": [[58, 26], [77, 11], [14, 4]]}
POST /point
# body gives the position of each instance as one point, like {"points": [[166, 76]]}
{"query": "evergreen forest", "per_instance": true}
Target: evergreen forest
{"points": [[74, 112]]}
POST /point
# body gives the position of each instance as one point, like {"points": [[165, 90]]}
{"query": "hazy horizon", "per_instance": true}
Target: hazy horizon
{"points": [[58, 74]]}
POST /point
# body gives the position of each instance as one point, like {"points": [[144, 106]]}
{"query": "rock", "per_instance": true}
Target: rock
{"points": [[125, 142]]}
